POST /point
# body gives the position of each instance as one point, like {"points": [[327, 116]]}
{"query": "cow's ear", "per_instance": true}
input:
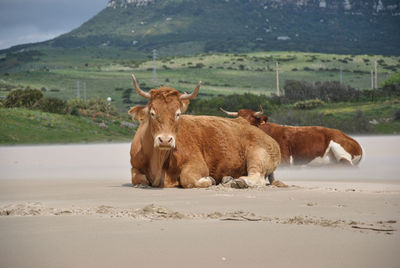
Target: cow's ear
{"points": [[185, 105], [138, 113]]}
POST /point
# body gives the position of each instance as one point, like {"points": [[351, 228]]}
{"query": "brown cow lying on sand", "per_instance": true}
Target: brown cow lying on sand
{"points": [[306, 145], [170, 149]]}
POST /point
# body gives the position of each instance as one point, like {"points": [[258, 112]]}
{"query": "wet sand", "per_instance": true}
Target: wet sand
{"points": [[72, 205]]}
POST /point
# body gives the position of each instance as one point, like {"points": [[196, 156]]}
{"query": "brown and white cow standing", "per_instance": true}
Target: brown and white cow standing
{"points": [[170, 149], [306, 144]]}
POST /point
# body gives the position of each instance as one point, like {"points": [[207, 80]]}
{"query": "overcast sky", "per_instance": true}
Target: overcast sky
{"points": [[27, 21]]}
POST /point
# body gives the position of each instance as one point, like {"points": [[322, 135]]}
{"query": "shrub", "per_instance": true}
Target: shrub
{"points": [[52, 105], [233, 102], [98, 107], [26, 98], [391, 86], [358, 123], [308, 104], [200, 65], [330, 91], [78, 103], [396, 115], [299, 90]]}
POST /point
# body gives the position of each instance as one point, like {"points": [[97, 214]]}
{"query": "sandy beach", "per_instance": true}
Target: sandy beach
{"points": [[74, 206]]}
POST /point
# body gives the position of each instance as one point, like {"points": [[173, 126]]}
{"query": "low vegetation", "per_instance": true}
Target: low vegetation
{"points": [[28, 117], [361, 115], [23, 126], [308, 104], [311, 92], [60, 73]]}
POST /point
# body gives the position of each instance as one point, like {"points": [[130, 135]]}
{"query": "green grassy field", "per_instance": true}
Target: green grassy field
{"points": [[103, 70], [21, 126], [363, 118]]}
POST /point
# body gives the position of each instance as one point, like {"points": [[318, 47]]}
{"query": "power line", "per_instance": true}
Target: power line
{"points": [[277, 80], [78, 90], [155, 67], [84, 91], [376, 75]]}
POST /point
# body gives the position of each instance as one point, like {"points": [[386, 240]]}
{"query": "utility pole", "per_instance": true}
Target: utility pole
{"points": [[277, 80], [78, 90], [376, 75], [84, 91], [341, 76], [154, 67], [372, 79]]}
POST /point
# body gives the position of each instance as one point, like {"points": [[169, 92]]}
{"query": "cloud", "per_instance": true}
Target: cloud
{"points": [[26, 34], [23, 34], [27, 21]]}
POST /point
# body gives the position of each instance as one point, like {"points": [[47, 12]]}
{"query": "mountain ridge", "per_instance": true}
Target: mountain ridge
{"points": [[178, 27], [347, 5]]}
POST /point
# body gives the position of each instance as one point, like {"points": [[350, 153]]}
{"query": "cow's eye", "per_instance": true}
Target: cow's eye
{"points": [[177, 115], [152, 114]]}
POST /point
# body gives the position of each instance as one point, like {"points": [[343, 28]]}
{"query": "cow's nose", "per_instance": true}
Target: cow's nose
{"points": [[166, 141]]}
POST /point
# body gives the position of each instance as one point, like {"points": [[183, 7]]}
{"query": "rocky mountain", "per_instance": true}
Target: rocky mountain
{"points": [[196, 26]]}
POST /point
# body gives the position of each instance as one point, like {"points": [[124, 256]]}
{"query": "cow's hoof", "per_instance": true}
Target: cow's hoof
{"points": [[239, 184], [212, 180], [277, 183], [226, 179]]}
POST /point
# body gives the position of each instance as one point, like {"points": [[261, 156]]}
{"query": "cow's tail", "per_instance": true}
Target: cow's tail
{"points": [[359, 159]]}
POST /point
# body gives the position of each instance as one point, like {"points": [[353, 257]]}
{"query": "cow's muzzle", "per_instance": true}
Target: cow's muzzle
{"points": [[164, 142]]}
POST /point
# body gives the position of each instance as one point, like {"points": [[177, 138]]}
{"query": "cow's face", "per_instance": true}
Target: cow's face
{"points": [[162, 113], [251, 116], [254, 118]]}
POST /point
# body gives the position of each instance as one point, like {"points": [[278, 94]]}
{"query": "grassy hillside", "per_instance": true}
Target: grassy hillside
{"points": [[380, 117], [21, 126], [58, 71], [178, 27]]}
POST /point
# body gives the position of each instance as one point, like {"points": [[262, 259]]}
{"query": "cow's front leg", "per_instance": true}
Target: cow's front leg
{"points": [[196, 175], [274, 182], [139, 178]]}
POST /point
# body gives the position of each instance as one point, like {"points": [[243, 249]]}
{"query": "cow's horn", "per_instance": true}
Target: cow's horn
{"points": [[259, 113], [229, 113], [138, 90], [186, 96]]}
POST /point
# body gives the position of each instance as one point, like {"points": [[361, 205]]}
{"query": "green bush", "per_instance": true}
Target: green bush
{"points": [[391, 86], [328, 91], [92, 107], [235, 102], [77, 103], [26, 98], [396, 115], [101, 105], [356, 123], [308, 104], [53, 105]]}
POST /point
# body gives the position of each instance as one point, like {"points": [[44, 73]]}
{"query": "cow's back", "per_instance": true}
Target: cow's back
{"points": [[223, 143]]}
